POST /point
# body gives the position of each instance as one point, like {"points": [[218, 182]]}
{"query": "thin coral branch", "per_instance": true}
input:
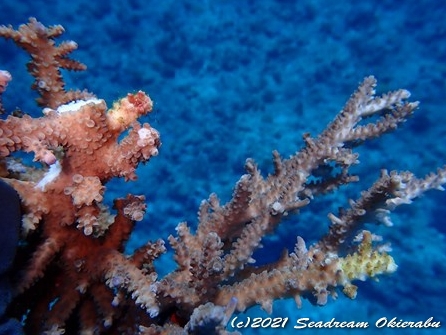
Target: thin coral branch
{"points": [[47, 59]]}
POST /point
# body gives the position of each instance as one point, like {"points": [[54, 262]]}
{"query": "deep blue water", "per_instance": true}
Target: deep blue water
{"points": [[238, 79]]}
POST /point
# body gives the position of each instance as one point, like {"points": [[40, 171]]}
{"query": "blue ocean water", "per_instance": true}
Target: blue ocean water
{"points": [[237, 79]]}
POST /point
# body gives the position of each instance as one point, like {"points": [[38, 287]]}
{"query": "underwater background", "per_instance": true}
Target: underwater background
{"points": [[238, 79]]}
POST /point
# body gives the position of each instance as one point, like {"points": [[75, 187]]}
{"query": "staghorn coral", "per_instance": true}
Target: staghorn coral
{"points": [[5, 78], [46, 61], [72, 274], [79, 142]]}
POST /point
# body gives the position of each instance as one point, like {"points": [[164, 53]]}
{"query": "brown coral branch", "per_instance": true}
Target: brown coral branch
{"points": [[47, 59], [259, 204]]}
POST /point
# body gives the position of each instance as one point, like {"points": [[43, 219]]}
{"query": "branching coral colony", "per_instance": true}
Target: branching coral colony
{"points": [[72, 275]]}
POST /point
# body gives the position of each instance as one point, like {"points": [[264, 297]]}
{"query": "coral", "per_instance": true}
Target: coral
{"points": [[5, 78], [46, 61], [72, 275]]}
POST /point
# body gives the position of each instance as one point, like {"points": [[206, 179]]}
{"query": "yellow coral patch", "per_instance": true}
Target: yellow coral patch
{"points": [[366, 262]]}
